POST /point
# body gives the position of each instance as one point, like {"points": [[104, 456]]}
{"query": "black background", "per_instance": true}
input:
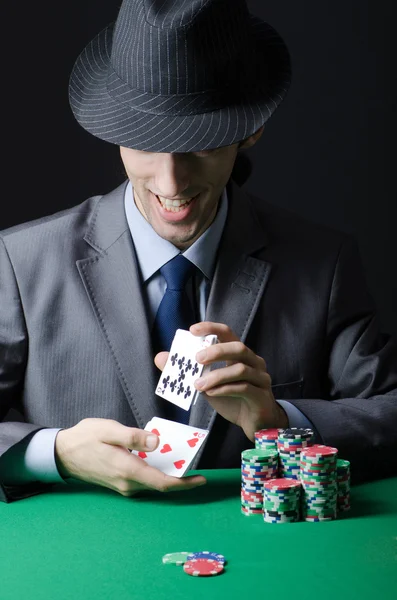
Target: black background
{"points": [[328, 153]]}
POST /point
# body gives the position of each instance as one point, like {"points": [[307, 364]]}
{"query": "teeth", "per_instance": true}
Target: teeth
{"points": [[173, 205]]}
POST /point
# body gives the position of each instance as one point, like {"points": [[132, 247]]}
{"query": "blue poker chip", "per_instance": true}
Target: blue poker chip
{"points": [[209, 555]]}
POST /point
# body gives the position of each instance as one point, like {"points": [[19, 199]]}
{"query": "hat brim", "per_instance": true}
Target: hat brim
{"points": [[117, 122]]}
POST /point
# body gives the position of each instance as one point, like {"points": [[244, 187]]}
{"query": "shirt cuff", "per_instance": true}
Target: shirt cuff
{"points": [[297, 419], [39, 458]]}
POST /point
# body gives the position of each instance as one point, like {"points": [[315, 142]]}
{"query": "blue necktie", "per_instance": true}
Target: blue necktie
{"points": [[175, 312]]}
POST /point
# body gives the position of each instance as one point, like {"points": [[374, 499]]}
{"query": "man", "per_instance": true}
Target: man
{"points": [[181, 88]]}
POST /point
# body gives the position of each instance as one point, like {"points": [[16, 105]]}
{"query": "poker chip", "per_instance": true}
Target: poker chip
{"points": [[319, 483], [287, 478], [290, 443], [203, 567], [256, 455], [321, 451], [208, 555], [247, 511], [175, 558], [343, 484], [295, 433], [266, 439], [282, 484], [267, 434], [282, 500], [257, 466]]}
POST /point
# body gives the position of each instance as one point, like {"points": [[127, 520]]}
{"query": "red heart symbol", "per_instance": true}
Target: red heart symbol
{"points": [[192, 442], [156, 431], [142, 454], [165, 448], [179, 464]]}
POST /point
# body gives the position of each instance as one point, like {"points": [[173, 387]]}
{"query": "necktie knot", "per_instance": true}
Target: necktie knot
{"points": [[177, 272]]}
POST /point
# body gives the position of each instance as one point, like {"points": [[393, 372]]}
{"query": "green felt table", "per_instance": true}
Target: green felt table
{"points": [[84, 542]]}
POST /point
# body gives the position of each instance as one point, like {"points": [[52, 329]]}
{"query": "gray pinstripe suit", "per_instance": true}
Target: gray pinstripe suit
{"points": [[74, 340]]}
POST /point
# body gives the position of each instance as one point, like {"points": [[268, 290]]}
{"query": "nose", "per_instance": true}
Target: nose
{"points": [[172, 177]]}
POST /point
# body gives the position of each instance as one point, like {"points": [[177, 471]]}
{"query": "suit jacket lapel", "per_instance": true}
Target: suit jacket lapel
{"points": [[238, 284], [112, 283]]}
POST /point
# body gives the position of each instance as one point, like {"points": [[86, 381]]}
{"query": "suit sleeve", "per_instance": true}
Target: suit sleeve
{"points": [[13, 357], [359, 416]]}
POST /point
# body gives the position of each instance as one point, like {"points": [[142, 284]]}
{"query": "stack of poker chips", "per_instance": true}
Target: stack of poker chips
{"points": [[319, 486], [343, 484], [290, 444], [257, 466], [282, 500], [266, 439]]}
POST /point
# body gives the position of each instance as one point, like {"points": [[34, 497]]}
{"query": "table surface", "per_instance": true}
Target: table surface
{"points": [[85, 542]]}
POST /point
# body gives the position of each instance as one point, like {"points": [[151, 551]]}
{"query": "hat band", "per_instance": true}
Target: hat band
{"points": [[171, 104]]}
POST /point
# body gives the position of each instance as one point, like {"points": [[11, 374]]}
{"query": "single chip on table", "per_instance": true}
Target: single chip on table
{"points": [[203, 567]]}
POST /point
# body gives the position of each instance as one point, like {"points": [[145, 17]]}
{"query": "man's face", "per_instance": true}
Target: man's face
{"points": [[194, 181]]}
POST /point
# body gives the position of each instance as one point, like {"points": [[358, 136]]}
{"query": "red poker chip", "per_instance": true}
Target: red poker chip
{"points": [[252, 511], [202, 567], [266, 434], [319, 450], [281, 483], [252, 498]]}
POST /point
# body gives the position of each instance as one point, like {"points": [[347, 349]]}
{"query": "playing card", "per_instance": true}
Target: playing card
{"points": [[176, 383], [178, 446]]}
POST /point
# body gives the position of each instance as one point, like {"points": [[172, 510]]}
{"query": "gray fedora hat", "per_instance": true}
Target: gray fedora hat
{"points": [[180, 76]]}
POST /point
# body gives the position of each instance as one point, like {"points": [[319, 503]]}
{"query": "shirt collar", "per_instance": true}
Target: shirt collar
{"points": [[153, 251]]}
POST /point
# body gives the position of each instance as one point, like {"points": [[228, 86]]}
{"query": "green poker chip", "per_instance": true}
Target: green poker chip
{"points": [[256, 454], [175, 558]]}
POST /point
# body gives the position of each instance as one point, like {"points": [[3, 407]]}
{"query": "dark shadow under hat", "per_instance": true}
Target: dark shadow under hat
{"points": [[180, 76]]}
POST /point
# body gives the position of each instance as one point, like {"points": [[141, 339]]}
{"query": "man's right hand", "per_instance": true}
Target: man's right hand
{"points": [[96, 451]]}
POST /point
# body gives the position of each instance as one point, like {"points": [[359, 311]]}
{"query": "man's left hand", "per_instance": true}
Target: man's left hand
{"points": [[241, 391]]}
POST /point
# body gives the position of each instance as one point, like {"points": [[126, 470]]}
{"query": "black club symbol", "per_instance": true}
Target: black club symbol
{"points": [[166, 381], [180, 390], [188, 365], [173, 385], [181, 362], [195, 369], [181, 376], [188, 392], [173, 359]]}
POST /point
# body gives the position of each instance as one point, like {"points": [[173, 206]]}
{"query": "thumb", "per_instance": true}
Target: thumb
{"points": [[130, 437], [160, 359]]}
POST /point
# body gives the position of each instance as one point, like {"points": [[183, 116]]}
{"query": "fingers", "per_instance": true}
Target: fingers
{"points": [[115, 433], [96, 450], [234, 351], [141, 475], [230, 348], [152, 478], [222, 331], [238, 373]]}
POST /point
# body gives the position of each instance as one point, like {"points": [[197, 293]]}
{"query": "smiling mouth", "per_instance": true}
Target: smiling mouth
{"points": [[174, 205]]}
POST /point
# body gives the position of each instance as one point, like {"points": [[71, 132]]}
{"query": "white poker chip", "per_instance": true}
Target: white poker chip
{"points": [[175, 558]]}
